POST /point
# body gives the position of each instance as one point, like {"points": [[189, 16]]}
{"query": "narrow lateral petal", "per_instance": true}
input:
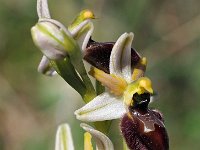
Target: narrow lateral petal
{"points": [[116, 84], [102, 107], [120, 59], [45, 67], [82, 33], [102, 141], [64, 139], [43, 9]]}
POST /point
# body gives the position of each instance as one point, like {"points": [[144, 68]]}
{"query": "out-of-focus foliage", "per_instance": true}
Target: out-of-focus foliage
{"points": [[166, 32]]}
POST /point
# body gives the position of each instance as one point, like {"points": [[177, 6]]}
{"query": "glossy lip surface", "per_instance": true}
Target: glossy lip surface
{"points": [[144, 129], [98, 55]]}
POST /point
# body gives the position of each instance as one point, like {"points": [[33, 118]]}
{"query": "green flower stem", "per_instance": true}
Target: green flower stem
{"points": [[76, 59], [91, 93], [66, 70]]}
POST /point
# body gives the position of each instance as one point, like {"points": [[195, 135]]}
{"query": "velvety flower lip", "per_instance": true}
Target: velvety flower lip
{"points": [[64, 139], [143, 128], [113, 103]]}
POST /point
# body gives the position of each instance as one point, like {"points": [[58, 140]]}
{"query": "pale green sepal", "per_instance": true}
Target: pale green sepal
{"points": [[120, 58], [64, 139], [68, 42], [49, 39], [102, 141], [102, 107]]}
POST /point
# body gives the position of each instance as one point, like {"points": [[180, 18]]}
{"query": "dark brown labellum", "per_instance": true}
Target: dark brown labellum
{"points": [[143, 128], [98, 55]]}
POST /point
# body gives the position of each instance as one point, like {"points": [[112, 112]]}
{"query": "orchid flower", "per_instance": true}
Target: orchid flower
{"points": [[122, 83], [64, 139], [127, 97]]}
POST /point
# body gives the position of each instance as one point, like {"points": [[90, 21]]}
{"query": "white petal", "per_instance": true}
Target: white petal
{"points": [[102, 141], [64, 139], [43, 9], [45, 68], [103, 107], [120, 58], [82, 33]]}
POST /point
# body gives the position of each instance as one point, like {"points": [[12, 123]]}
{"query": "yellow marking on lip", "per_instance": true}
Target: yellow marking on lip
{"points": [[139, 86]]}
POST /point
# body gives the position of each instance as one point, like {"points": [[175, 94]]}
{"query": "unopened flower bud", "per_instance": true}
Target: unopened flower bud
{"points": [[51, 39], [143, 128]]}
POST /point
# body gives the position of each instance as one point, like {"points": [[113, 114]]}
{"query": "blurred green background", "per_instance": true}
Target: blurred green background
{"points": [[166, 32]]}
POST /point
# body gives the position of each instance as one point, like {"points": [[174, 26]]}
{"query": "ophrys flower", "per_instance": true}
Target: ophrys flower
{"points": [[120, 82]]}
